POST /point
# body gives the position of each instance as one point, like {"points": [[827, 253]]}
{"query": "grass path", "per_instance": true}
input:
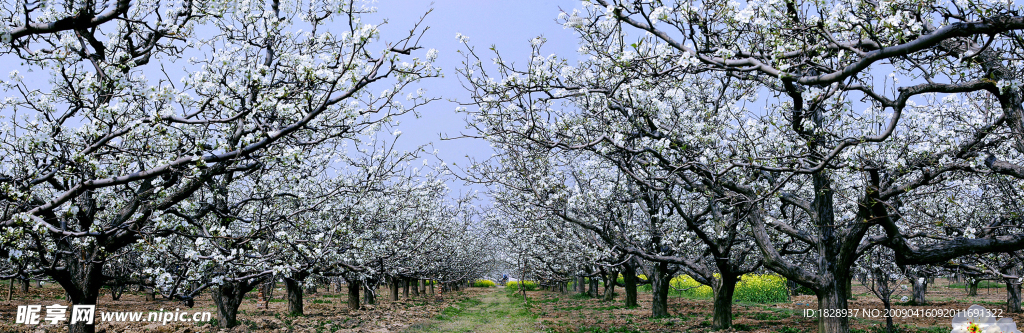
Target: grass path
{"points": [[493, 312]]}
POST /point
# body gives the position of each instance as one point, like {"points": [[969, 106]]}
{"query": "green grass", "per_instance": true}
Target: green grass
{"points": [[581, 307], [793, 330], [492, 312], [982, 284], [595, 329], [769, 316]]}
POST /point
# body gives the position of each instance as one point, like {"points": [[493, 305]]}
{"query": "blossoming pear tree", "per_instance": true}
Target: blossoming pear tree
{"points": [[147, 102], [813, 170]]}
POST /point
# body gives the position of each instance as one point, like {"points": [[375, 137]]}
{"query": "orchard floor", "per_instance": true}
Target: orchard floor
{"points": [[493, 310], [572, 313], [325, 311]]}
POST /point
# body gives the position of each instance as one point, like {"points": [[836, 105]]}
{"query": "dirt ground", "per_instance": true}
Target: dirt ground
{"points": [[569, 313], [325, 311]]}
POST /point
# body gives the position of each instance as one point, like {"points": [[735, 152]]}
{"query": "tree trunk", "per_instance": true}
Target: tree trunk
{"points": [[268, 289], [151, 294], [405, 287], [370, 295], [415, 287], [431, 287], [394, 289], [294, 291], [723, 302], [592, 287], [832, 298], [920, 288], [849, 287], [1013, 296], [581, 285], [889, 327], [81, 327], [24, 286], [423, 287], [116, 291], [972, 289], [227, 298], [660, 286], [629, 279], [82, 285], [353, 294], [609, 285]]}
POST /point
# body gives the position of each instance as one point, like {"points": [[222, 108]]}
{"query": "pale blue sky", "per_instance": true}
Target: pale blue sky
{"points": [[509, 25]]}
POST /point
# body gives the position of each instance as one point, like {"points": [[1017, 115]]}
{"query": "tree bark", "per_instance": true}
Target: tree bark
{"points": [[353, 294], [24, 286], [660, 286], [1013, 296], [431, 282], [889, 327], [228, 297], [629, 279], [831, 298], [849, 287], [82, 284], [415, 287], [581, 284], [972, 288], [592, 287], [920, 288], [294, 290], [370, 295], [405, 287], [423, 287], [116, 291], [609, 285], [394, 289], [723, 301]]}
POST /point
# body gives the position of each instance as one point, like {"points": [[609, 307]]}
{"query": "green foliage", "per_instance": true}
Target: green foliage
{"points": [[483, 283], [515, 285]]}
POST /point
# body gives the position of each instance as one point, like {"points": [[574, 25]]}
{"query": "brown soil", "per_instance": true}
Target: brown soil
{"points": [[325, 312]]}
